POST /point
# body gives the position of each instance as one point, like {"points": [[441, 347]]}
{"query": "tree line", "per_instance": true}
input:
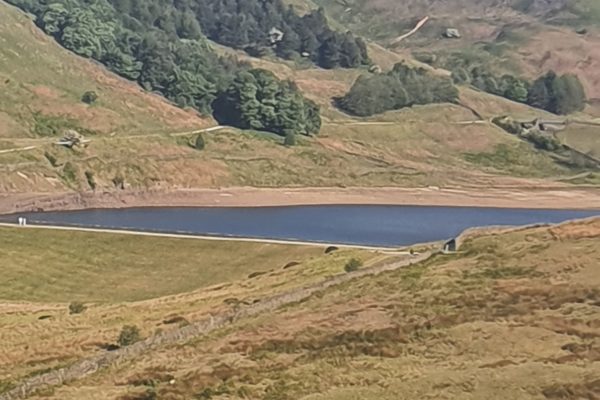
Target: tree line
{"points": [[260, 25], [161, 45], [401, 87], [257, 26], [559, 94]]}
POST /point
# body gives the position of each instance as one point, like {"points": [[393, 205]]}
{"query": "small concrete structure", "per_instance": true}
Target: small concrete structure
{"points": [[450, 246]]}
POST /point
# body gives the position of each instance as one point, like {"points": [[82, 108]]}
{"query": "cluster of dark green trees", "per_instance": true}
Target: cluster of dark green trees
{"points": [[403, 86], [257, 25], [258, 100], [161, 45], [508, 86], [558, 94]]}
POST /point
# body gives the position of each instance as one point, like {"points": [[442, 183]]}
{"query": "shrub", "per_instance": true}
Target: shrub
{"points": [[199, 143], [331, 249], [5, 386], [70, 172], [508, 124], [129, 335], [119, 181], [149, 394], [353, 265], [89, 175], [291, 264], [210, 392], [52, 125], [522, 5], [425, 57], [177, 319], [460, 76], [76, 307], [290, 139], [89, 97], [51, 159], [543, 141]]}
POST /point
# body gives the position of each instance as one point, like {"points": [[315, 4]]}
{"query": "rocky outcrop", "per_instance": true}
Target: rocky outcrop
{"points": [[452, 33]]}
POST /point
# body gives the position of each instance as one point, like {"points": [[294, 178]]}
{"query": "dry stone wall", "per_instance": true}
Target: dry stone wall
{"points": [[205, 326]]}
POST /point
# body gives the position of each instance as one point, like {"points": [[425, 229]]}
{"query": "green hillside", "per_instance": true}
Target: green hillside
{"points": [[43, 84], [437, 144]]}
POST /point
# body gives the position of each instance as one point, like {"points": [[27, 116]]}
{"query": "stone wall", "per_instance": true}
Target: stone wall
{"points": [[202, 327]]}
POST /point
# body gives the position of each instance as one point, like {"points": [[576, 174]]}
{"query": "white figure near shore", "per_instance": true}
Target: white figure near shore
{"points": [[22, 221]]}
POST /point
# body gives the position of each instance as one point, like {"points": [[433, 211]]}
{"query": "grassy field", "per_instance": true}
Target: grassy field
{"points": [[132, 280], [513, 315], [112, 268], [42, 84]]}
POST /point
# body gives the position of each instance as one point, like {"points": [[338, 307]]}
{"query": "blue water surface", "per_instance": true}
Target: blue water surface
{"points": [[361, 224]]}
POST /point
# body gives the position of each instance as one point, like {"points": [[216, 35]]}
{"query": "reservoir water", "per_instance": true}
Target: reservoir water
{"points": [[361, 224]]}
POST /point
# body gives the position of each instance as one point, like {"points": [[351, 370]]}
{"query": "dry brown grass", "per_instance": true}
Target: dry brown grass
{"points": [[514, 315], [537, 40], [585, 139], [562, 50], [128, 280], [428, 145]]}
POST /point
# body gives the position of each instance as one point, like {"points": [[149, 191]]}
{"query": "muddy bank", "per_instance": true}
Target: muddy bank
{"points": [[539, 198]]}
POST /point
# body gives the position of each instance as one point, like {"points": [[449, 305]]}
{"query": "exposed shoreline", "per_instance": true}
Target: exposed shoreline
{"points": [[498, 197]]}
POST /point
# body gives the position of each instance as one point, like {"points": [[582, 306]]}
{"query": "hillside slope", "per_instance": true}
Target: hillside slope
{"points": [[513, 314], [527, 36], [436, 145], [42, 84]]}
